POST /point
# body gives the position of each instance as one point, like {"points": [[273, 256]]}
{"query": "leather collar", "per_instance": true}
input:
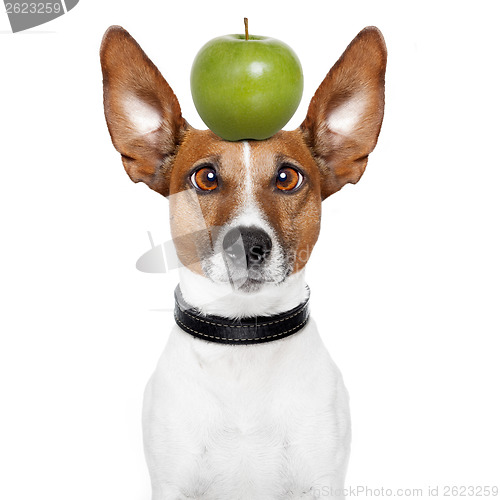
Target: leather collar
{"points": [[254, 330]]}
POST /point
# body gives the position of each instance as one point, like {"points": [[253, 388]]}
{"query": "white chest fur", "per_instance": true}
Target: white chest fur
{"points": [[268, 421]]}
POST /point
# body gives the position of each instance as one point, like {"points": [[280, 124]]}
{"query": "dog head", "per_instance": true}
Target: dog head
{"points": [[247, 212]]}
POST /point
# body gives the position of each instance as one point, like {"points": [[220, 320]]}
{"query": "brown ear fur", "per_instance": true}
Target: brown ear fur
{"points": [[360, 71], [128, 74]]}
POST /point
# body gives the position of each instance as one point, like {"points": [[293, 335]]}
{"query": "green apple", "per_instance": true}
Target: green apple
{"points": [[246, 87]]}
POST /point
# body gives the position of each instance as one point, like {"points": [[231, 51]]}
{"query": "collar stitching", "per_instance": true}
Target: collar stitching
{"points": [[297, 327]]}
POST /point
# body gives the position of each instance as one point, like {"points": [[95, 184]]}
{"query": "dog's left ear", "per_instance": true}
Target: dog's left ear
{"points": [[345, 115]]}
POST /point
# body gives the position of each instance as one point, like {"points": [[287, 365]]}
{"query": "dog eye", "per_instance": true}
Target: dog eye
{"points": [[205, 178], [288, 179]]}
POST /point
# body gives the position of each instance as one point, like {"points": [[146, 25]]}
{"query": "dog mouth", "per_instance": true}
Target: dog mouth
{"points": [[245, 281]]}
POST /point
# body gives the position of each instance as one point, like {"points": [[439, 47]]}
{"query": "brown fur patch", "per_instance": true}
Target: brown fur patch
{"points": [[216, 207], [295, 216]]}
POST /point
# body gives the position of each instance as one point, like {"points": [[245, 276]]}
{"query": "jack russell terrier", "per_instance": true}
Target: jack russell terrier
{"points": [[245, 403]]}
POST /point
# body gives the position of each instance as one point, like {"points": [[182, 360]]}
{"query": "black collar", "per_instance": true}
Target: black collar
{"points": [[239, 331]]}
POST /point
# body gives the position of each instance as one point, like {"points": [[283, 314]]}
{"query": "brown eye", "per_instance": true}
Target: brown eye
{"points": [[288, 179], [205, 179]]}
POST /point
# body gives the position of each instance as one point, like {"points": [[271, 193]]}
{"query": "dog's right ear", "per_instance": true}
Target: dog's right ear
{"points": [[143, 115]]}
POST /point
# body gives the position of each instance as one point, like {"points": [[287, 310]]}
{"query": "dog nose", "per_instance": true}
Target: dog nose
{"points": [[249, 244]]}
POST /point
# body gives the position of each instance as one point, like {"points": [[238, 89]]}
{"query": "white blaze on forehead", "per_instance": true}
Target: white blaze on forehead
{"points": [[247, 163], [144, 117], [249, 213], [344, 119]]}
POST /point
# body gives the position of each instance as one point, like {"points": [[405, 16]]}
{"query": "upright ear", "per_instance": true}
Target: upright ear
{"points": [[143, 115], [345, 115]]}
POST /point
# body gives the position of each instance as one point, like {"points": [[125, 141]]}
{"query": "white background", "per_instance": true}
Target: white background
{"points": [[404, 279]]}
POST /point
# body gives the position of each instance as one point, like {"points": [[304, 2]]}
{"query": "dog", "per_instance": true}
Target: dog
{"points": [[245, 403]]}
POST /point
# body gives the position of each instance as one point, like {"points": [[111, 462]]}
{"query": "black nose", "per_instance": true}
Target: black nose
{"points": [[249, 244]]}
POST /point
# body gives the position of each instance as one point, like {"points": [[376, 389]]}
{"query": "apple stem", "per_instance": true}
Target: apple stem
{"points": [[245, 19]]}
